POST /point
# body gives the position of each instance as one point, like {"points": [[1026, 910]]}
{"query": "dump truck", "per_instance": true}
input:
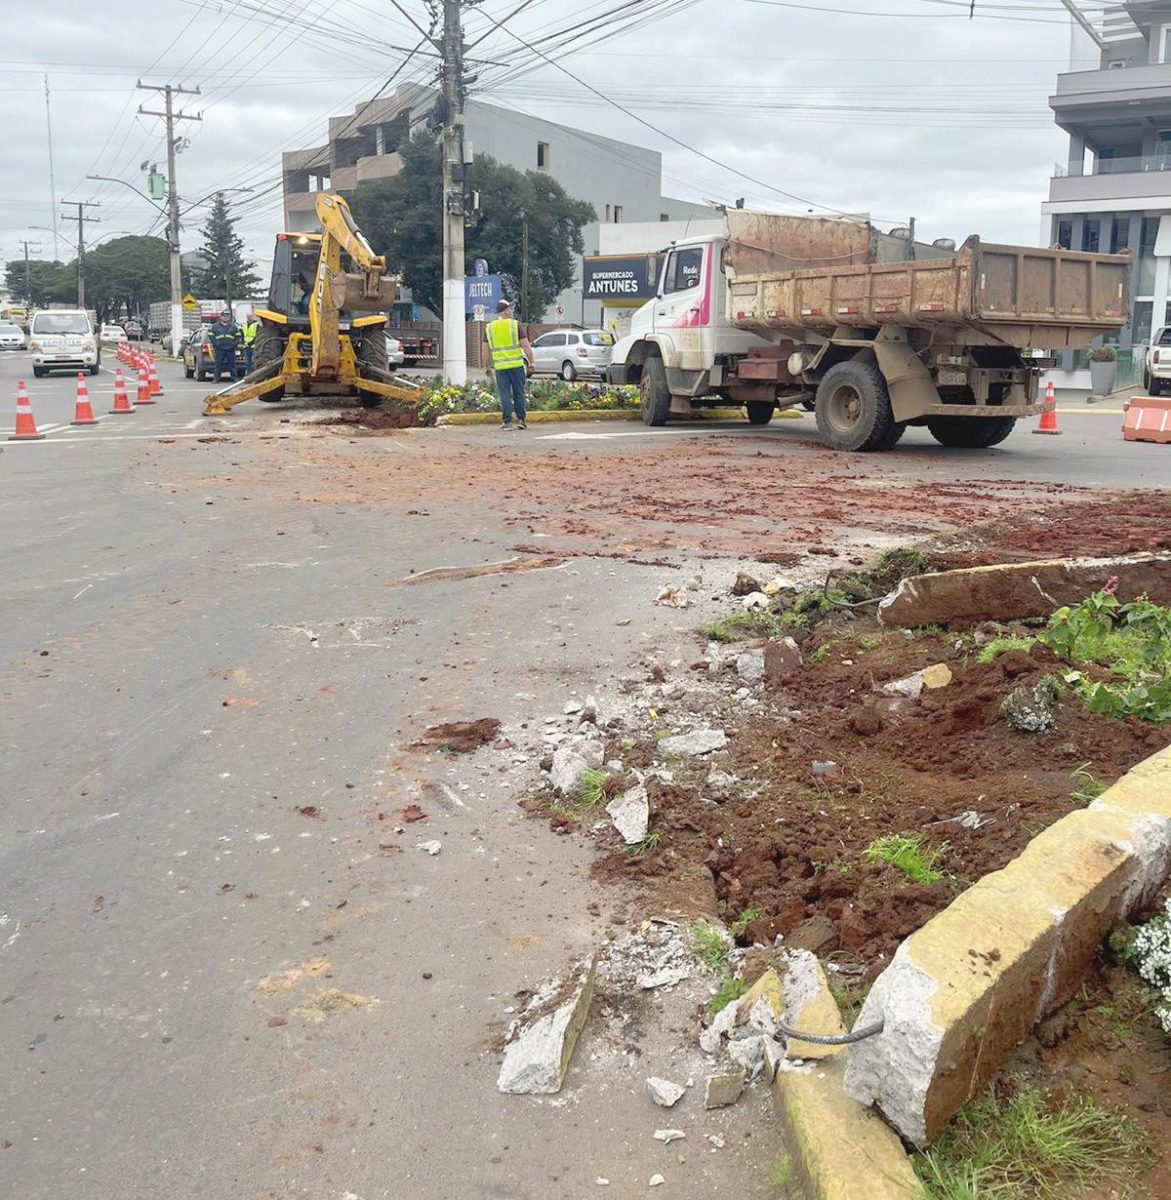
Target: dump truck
{"points": [[869, 330], [323, 329]]}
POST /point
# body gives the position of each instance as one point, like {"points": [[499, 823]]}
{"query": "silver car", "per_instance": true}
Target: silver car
{"points": [[572, 352], [11, 336]]}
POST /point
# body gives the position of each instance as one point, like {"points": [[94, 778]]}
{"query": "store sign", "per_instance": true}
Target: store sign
{"points": [[481, 291], [621, 279]]}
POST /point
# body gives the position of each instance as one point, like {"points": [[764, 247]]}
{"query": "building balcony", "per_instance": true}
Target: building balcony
{"points": [[1086, 92], [314, 158], [1123, 179]]}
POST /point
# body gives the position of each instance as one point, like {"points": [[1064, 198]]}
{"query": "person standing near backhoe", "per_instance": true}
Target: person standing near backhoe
{"points": [[508, 346], [224, 335], [249, 328]]}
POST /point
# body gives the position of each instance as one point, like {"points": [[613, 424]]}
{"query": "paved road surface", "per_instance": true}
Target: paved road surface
{"points": [[213, 667]]}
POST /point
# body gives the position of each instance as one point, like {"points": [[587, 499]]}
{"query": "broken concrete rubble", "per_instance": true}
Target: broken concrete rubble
{"points": [[665, 1093], [572, 760], [541, 1040], [699, 741], [667, 1136], [724, 1089], [810, 1007], [1014, 591], [630, 813], [750, 666], [782, 660]]}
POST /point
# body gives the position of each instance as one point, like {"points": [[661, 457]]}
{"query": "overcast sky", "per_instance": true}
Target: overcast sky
{"points": [[894, 107]]}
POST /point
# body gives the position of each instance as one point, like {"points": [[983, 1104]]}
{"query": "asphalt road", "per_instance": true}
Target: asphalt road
{"points": [[211, 699]]}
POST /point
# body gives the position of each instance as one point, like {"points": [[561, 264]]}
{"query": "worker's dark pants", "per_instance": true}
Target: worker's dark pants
{"points": [[510, 388], [247, 358], [225, 362]]}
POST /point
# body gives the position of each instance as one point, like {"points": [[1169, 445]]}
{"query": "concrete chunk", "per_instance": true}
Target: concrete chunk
{"points": [[969, 985], [541, 1040], [699, 741], [750, 666], [665, 1093], [1014, 591], [810, 1008], [725, 1089], [631, 813], [572, 760]]}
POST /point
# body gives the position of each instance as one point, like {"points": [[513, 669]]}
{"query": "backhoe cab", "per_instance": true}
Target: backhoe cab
{"points": [[324, 330]]}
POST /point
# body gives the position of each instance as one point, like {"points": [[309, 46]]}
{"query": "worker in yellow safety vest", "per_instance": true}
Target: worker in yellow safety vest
{"points": [[249, 330], [508, 346]]}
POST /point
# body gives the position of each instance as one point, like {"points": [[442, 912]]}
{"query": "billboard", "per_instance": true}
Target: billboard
{"points": [[623, 279]]}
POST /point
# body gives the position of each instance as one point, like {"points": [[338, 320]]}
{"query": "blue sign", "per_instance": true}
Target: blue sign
{"points": [[482, 292]]}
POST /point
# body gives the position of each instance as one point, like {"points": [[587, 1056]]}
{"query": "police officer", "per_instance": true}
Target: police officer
{"points": [[249, 329], [508, 345], [224, 336]]}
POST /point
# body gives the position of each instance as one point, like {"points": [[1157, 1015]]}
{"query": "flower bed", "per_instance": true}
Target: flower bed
{"points": [[544, 395]]}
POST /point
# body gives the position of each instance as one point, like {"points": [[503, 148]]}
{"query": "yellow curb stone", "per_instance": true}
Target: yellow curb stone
{"points": [[841, 1150], [811, 1008]]}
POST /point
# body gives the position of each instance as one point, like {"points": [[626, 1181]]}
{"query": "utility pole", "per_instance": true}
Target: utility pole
{"points": [[524, 268], [81, 219], [52, 181], [28, 279], [170, 116], [455, 359]]}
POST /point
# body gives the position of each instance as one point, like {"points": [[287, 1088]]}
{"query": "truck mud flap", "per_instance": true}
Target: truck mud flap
{"points": [[909, 383]]}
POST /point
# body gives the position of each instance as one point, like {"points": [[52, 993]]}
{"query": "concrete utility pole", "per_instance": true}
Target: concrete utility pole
{"points": [[52, 181], [170, 116], [455, 359], [81, 219], [28, 278]]}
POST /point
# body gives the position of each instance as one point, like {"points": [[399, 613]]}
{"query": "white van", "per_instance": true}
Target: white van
{"points": [[62, 339]]}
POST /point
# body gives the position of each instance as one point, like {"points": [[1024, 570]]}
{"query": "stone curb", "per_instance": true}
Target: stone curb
{"points": [[840, 1150], [542, 417], [962, 991]]}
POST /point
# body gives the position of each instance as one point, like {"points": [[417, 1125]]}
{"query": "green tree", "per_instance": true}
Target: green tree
{"points": [[126, 274], [228, 273], [44, 283], [401, 217]]}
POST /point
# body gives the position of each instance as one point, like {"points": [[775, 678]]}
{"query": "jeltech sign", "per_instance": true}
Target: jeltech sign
{"points": [[621, 279]]}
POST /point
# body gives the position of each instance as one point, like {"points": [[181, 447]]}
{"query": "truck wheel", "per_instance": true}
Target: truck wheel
{"points": [[853, 408], [970, 433], [1156, 388], [370, 352], [652, 392], [269, 347], [760, 412], [1147, 383]]}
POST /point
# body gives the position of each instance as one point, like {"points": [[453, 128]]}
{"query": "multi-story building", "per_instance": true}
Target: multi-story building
{"points": [[622, 181], [1114, 191]]}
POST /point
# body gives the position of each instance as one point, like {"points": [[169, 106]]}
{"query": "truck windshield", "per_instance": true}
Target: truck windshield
{"points": [[50, 322], [683, 270]]}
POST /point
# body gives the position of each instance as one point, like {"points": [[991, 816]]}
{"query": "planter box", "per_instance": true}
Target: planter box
{"points": [[1102, 377]]}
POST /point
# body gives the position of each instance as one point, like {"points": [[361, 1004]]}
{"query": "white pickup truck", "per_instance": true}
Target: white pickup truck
{"points": [[831, 313]]}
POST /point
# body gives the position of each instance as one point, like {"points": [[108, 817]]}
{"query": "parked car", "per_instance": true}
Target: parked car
{"points": [[198, 355], [395, 355], [134, 330], [1157, 374], [113, 334], [11, 337], [63, 339], [572, 352]]}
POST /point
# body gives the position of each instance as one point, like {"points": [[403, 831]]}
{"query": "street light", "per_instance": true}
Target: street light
{"points": [[111, 179]]}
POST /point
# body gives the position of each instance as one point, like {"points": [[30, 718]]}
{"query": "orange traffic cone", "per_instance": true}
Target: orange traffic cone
{"points": [[143, 388], [156, 388], [121, 401], [26, 427], [83, 414], [1048, 422]]}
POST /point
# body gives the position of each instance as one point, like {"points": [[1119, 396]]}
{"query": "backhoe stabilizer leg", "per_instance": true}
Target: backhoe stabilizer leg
{"points": [[247, 388]]}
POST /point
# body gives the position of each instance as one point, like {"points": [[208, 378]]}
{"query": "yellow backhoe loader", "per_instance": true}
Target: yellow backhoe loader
{"points": [[311, 341]]}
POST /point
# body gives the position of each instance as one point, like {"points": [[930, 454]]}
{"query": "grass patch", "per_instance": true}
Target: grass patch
{"points": [[1001, 645], [891, 567], [591, 788], [741, 923], [730, 990], [905, 852], [867, 642], [641, 849], [709, 946], [780, 1173], [1030, 1147], [753, 622], [1086, 788]]}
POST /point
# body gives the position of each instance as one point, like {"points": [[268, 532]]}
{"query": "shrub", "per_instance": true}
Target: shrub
{"points": [[1150, 951]]}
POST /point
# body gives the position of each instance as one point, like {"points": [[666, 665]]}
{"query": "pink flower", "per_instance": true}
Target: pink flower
{"points": [[1111, 586]]}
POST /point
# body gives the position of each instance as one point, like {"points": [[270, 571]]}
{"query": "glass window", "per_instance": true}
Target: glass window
{"points": [[1065, 234], [9, 328], [1146, 260], [1164, 338], [553, 339], [617, 214], [1140, 322], [60, 322], [1090, 236], [683, 270], [542, 156], [1164, 43], [598, 339], [1119, 234]]}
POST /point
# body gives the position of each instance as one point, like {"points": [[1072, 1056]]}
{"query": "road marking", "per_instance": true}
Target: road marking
{"points": [[161, 435]]}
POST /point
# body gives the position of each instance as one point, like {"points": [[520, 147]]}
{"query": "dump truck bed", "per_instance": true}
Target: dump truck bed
{"points": [[1011, 295]]}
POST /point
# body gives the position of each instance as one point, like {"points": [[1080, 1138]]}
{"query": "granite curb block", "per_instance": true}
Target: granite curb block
{"points": [[541, 416], [962, 991]]}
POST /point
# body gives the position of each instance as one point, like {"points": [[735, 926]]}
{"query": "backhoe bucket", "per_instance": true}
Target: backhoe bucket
{"points": [[349, 293]]}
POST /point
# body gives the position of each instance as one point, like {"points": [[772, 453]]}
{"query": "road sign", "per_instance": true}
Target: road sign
{"points": [[478, 312], [559, 312], [483, 290], [190, 303]]}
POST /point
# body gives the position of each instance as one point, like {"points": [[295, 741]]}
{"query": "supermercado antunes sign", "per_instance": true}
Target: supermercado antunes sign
{"points": [[621, 279]]}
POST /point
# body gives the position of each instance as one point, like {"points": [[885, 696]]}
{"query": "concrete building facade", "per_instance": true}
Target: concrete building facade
{"points": [[621, 180], [1114, 191]]}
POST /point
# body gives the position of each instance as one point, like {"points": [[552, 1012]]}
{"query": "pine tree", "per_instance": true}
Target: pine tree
{"points": [[228, 272]]}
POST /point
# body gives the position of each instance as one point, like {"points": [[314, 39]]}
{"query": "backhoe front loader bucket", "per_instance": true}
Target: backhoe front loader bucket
{"points": [[354, 293]]}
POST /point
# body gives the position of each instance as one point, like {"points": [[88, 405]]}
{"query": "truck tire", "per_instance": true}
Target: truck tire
{"points": [[654, 398], [370, 352], [269, 347], [853, 408], [760, 412], [970, 433]]}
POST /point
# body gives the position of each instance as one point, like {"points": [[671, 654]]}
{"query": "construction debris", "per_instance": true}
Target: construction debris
{"points": [[699, 741], [631, 814], [572, 760], [665, 1093], [722, 1090], [667, 1136], [541, 1040]]}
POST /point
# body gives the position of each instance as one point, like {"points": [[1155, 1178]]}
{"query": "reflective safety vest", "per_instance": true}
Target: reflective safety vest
{"points": [[250, 330], [504, 343]]}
